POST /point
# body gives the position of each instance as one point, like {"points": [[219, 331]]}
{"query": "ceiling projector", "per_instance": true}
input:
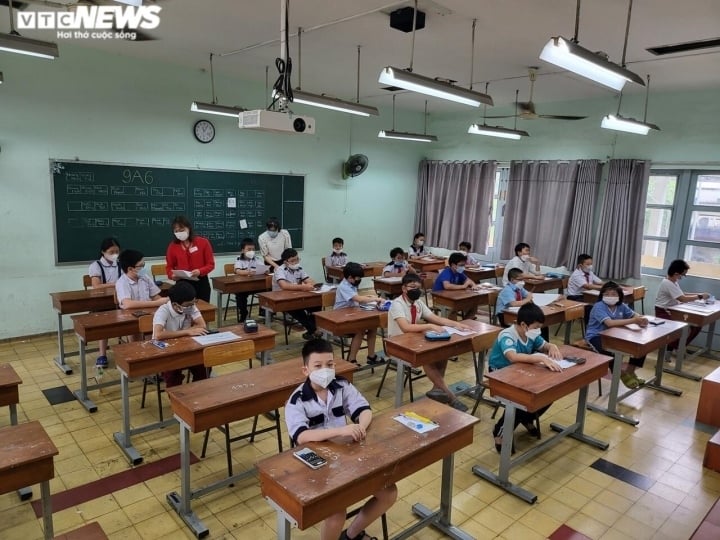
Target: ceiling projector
{"points": [[263, 120]]}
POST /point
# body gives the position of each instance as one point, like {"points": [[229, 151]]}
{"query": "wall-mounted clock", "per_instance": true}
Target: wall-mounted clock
{"points": [[204, 131]]}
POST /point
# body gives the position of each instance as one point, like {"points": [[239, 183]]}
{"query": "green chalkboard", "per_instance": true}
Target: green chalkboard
{"points": [[136, 204]]}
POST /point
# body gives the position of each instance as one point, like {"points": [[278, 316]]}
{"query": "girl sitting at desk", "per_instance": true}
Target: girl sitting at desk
{"points": [[103, 274], [610, 311]]}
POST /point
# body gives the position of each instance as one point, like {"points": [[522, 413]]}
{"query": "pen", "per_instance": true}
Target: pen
{"points": [[416, 416]]}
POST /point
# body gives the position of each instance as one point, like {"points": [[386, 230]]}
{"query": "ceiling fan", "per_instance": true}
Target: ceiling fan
{"points": [[526, 110]]}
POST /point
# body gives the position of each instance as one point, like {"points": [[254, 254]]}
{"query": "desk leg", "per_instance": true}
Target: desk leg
{"points": [[25, 493], [656, 382], [568, 330], [399, 381], [47, 509], [219, 309], [579, 432], [123, 439], [181, 503], [682, 351], [82, 395], [611, 410], [60, 360], [440, 519], [283, 527], [268, 317]]}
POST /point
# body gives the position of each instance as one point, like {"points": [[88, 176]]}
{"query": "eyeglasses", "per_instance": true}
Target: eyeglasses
{"points": [[139, 266]]}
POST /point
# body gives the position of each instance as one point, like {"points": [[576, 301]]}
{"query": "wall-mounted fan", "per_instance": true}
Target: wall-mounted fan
{"points": [[526, 110], [354, 166]]}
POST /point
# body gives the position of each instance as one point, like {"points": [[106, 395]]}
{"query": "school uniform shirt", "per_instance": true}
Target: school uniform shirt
{"points": [[344, 295], [580, 278], [284, 273], [418, 251], [108, 272], [242, 263], [402, 308], [142, 290], [509, 340], [305, 410], [336, 259], [171, 320], [601, 312], [455, 278], [668, 294], [516, 262], [472, 260], [509, 293], [274, 246], [198, 255], [395, 269]]}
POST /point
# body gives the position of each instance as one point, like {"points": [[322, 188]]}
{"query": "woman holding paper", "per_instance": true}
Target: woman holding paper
{"points": [[190, 257]]}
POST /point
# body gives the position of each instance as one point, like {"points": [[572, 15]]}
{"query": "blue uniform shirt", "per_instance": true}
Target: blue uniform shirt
{"points": [[509, 340], [508, 294], [601, 312], [456, 278]]}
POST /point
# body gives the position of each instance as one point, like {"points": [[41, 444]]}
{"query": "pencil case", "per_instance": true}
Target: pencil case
{"points": [[437, 336]]}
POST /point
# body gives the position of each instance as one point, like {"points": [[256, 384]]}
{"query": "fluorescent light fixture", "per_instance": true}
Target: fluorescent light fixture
{"points": [[630, 125], [16, 43], [214, 108], [403, 78], [334, 104], [404, 136], [569, 55], [497, 131]]}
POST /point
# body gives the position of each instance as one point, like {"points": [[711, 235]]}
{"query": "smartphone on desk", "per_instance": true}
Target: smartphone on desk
{"points": [[317, 286], [310, 458], [656, 322], [159, 344], [140, 313], [575, 359]]}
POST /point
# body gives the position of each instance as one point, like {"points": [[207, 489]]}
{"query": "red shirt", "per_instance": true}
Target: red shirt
{"points": [[198, 254]]}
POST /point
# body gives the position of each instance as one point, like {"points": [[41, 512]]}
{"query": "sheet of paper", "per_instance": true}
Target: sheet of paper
{"points": [[213, 339], [512, 309], [450, 330], [565, 364], [243, 224], [261, 269], [699, 306], [633, 326], [542, 299], [232, 202], [183, 274], [390, 279], [416, 422], [325, 288]]}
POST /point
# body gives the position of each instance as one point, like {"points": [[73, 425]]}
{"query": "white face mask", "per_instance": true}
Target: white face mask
{"points": [[250, 254], [295, 266], [337, 251], [611, 300], [112, 257], [533, 333], [182, 235], [323, 377], [519, 284], [419, 243], [524, 258], [463, 252]]}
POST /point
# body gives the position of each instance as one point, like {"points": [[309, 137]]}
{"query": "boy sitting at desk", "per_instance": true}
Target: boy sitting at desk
{"points": [[512, 295], [398, 266], [347, 295], [405, 314], [337, 256], [247, 264], [290, 276], [583, 278], [522, 342], [523, 260], [453, 278], [179, 317], [465, 247], [317, 411]]}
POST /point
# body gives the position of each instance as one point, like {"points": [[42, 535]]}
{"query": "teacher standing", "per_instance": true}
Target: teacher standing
{"points": [[192, 254], [273, 242]]}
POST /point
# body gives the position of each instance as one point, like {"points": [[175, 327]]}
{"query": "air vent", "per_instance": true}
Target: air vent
{"points": [[661, 50]]}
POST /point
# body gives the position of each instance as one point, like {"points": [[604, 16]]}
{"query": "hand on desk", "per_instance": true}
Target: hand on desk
{"points": [[197, 331], [641, 321], [356, 431], [548, 362], [554, 352]]}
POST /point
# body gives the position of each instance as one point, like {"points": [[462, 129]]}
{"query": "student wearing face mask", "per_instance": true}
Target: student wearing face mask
{"points": [[398, 266], [247, 264], [290, 276], [273, 242], [318, 411], [522, 343], [191, 253], [512, 295], [465, 248], [337, 256], [410, 314], [103, 274], [179, 317], [670, 294], [523, 260], [417, 248], [583, 278], [453, 277], [347, 295], [610, 311]]}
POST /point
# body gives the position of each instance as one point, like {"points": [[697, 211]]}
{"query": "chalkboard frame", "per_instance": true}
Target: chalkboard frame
{"points": [[53, 162]]}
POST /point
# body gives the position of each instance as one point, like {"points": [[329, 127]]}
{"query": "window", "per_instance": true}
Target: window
{"points": [[496, 213], [682, 220]]}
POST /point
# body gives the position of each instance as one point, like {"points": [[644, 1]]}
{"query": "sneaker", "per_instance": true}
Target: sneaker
{"points": [[458, 405], [374, 360], [102, 361], [629, 380], [532, 429]]}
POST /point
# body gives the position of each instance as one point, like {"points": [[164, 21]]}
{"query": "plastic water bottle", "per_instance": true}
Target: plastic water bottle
{"points": [[99, 372]]}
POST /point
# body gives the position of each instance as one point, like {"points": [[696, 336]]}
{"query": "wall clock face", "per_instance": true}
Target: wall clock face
{"points": [[204, 131]]}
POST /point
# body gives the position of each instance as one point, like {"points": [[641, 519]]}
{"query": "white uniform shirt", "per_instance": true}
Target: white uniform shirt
{"points": [[141, 290], [401, 308], [668, 294]]}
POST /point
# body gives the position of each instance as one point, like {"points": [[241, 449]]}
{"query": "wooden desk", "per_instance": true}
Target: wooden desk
{"points": [[106, 325], [695, 315], [222, 400], [142, 359], [529, 387], [635, 343], [465, 301], [70, 302], [10, 397], [352, 320], [391, 452], [428, 264], [26, 458], [370, 269], [544, 284], [630, 294], [392, 286], [237, 284], [483, 273], [415, 350], [560, 311]]}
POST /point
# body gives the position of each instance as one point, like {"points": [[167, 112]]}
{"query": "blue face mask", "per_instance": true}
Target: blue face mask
{"points": [[399, 264], [460, 269]]}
